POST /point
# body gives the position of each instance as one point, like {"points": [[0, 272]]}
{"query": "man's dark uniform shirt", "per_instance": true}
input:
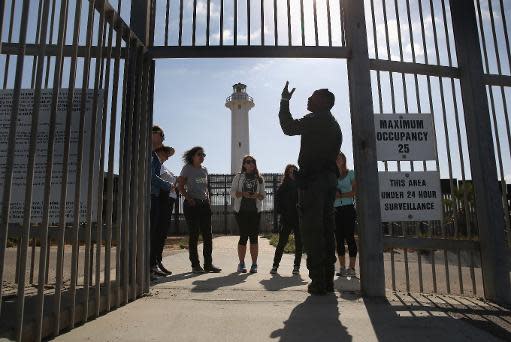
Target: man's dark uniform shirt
{"points": [[320, 143]]}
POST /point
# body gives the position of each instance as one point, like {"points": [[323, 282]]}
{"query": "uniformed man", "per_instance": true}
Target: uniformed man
{"points": [[321, 140]]}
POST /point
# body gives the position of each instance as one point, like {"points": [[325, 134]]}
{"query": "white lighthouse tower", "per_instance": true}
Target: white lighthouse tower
{"points": [[239, 103]]}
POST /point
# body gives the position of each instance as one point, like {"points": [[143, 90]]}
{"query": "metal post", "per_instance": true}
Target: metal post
{"points": [[372, 275], [489, 211], [275, 215]]}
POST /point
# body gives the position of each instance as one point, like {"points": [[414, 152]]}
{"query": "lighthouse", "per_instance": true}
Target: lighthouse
{"points": [[240, 104]]}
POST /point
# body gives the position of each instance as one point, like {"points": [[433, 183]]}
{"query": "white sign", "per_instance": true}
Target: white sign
{"points": [[405, 137], [22, 149], [410, 196]]}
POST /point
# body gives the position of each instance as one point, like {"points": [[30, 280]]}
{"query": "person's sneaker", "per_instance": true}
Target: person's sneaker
{"points": [[253, 268], [197, 269], [154, 277], [296, 270], [341, 273], [350, 272], [155, 271], [212, 269], [242, 268], [163, 269], [274, 270]]}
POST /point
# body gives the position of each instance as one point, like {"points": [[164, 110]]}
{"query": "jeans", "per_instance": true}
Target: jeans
{"points": [[166, 208], [287, 228], [198, 220]]}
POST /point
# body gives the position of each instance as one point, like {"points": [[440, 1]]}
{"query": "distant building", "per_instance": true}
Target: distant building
{"points": [[239, 103]]}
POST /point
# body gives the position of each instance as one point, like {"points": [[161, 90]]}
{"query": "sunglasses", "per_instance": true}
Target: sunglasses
{"points": [[249, 161], [201, 154]]}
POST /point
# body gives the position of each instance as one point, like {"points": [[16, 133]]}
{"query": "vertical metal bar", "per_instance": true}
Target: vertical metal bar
{"points": [[208, 22], [343, 28], [417, 95], [37, 34], [221, 22], [2, 18], [302, 22], [490, 214], [50, 41], [460, 148], [180, 39], [316, 38], [65, 169], [92, 161], [101, 178], [371, 239], [506, 36], [135, 229], [4, 223], [329, 23], [147, 197], [289, 33], [235, 22], [43, 266], [435, 35], [194, 21], [248, 22], [110, 177], [262, 22], [127, 182], [77, 199], [393, 102], [376, 52], [9, 39], [142, 176], [167, 15], [447, 139], [121, 180], [275, 23]]}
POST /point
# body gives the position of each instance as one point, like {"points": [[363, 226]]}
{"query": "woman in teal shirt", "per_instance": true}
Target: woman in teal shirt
{"points": [[345, 217]]}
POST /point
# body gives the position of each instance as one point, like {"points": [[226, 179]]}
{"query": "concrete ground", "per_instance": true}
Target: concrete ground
{"points": [[260, 307]]}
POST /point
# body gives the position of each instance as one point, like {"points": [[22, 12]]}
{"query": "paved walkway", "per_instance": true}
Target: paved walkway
{"points": [[261, 307]]}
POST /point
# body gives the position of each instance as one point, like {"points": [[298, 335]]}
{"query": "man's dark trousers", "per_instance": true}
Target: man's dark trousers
{"points": [[317, 226]]}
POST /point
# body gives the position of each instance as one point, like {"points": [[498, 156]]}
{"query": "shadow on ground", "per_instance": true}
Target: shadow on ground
{"points": [[212, 284], [305, 319], [445, 318], [278, 282]]}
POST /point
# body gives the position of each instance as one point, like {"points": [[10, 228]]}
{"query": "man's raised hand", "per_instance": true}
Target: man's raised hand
{"points": [[286, 94]]}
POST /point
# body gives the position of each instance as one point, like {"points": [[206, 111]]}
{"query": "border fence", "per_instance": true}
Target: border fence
{"points": [[77, 81]]}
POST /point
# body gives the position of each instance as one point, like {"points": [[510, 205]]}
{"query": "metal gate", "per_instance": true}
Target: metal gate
{"points": [[444, 57], [407, 56], [77, 80]]}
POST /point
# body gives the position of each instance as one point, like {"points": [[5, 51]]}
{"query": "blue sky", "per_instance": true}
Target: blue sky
{"points": [[190, 105]]}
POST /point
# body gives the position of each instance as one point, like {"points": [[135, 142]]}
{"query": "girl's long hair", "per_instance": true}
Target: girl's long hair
{"points": [[343, 157], [287, 172], [256, 171], [188, 155]]}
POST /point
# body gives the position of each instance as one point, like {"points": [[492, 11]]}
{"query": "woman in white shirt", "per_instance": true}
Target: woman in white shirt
{"points": [[248, 192]]}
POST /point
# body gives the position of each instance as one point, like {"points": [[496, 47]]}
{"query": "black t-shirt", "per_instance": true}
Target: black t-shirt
{"points": [[249, 185]]}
